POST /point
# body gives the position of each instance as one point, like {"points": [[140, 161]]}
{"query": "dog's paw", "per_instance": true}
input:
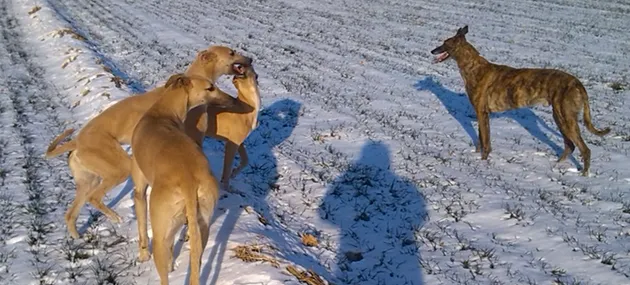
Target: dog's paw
{"points": [[144, 255], [173, 266], [75, 235], [116, 219], [233, 190], [225, 185], [235, 172], [73, 232]]}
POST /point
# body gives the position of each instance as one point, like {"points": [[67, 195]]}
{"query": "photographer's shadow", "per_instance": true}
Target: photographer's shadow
{"points": [[377, 213]]}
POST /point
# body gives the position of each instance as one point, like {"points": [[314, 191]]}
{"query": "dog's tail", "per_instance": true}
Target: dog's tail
{"points": [[54, 149], [194, 233], [589, 124]]}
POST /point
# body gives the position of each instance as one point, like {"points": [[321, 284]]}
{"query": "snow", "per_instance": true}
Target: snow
{"points": [[363, 141]]}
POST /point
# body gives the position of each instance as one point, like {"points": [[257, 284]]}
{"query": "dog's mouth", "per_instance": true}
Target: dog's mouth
{"points": [[441, 54], [441, 57], [246, 72], [238, 68]]}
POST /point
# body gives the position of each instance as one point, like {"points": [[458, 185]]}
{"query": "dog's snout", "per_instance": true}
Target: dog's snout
{"points": [[249, 60], [437, 50]]}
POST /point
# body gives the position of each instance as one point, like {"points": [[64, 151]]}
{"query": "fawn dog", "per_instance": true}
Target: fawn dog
{"points": [[98, 162], [231, 127], [173, 164], [496, 88]]}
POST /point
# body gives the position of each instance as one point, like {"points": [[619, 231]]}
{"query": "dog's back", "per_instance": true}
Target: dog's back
{"points": [[119, 120], [510, 88], [176, 151]]}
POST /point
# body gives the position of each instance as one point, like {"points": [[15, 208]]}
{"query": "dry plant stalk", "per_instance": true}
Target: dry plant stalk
{"points": [[34, 10], [308, 277], [68, 31], [253, 253], [309, 240]]}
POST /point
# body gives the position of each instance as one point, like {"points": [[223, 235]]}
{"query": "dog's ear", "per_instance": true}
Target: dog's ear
{"points": [[178, 81], [462, 31], [207, 55]]}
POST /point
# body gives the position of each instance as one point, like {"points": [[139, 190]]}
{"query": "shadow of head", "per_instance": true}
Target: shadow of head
{"points": [[375, 154], [452, 100], [278, 120]]}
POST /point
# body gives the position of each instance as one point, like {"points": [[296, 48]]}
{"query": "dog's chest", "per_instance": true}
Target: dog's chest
{"points": [[255, 122]]}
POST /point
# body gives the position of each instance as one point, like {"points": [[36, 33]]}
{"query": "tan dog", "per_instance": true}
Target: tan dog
{"points": [[183, 187], [233, 128], [496, 88], [99, 163]]}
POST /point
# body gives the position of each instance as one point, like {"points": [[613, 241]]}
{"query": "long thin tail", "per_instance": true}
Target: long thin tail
{"points": [[192, 203], [54, 149], [589, 124]]}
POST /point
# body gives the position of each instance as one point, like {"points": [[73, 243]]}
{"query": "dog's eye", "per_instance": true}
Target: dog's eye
{"points": [[211, 88], [231, 53]]}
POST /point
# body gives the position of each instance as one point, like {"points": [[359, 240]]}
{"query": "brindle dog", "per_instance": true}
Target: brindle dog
{"points": [[496, 88]]}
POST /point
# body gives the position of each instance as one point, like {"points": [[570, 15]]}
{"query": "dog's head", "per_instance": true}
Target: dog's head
{"points": [[450, 45], [247, 76], [222, 60], [200, 91]]}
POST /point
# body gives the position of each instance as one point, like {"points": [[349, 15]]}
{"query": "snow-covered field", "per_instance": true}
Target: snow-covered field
{"points": [[363, 143]]}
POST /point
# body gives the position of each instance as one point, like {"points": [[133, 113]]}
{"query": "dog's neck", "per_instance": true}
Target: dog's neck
{"points": [[250, 95], [174, 106], [198, 68], [469, 61]]}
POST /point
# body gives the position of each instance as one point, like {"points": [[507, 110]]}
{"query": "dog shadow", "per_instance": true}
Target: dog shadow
{"points": [[377, 213], [458, 105], [277, 122]]}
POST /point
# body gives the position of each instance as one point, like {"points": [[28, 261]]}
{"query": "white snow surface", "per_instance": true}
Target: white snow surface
{"points": [[363, 142]]}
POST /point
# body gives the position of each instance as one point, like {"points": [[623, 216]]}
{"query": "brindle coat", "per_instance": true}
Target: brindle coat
{"points": [[495, 88]]}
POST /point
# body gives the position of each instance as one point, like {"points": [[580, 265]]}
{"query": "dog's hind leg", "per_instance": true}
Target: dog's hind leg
{"points": [[140, 203], [207, 202], [569, 146], [85, 182], [573, 132], [164, 225], [113, 164]]}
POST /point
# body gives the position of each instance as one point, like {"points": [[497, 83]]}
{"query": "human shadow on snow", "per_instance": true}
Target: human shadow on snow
{"points": [[377, 214], [458, 105]]}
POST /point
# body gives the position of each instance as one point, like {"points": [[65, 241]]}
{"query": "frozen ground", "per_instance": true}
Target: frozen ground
{"points": [[363, 142]]}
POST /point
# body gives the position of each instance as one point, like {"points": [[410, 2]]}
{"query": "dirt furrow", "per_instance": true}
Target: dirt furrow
{"points": [[41, 188]]}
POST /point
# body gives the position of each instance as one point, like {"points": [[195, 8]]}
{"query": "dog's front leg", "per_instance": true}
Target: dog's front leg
{"points": [[483, 117]]}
